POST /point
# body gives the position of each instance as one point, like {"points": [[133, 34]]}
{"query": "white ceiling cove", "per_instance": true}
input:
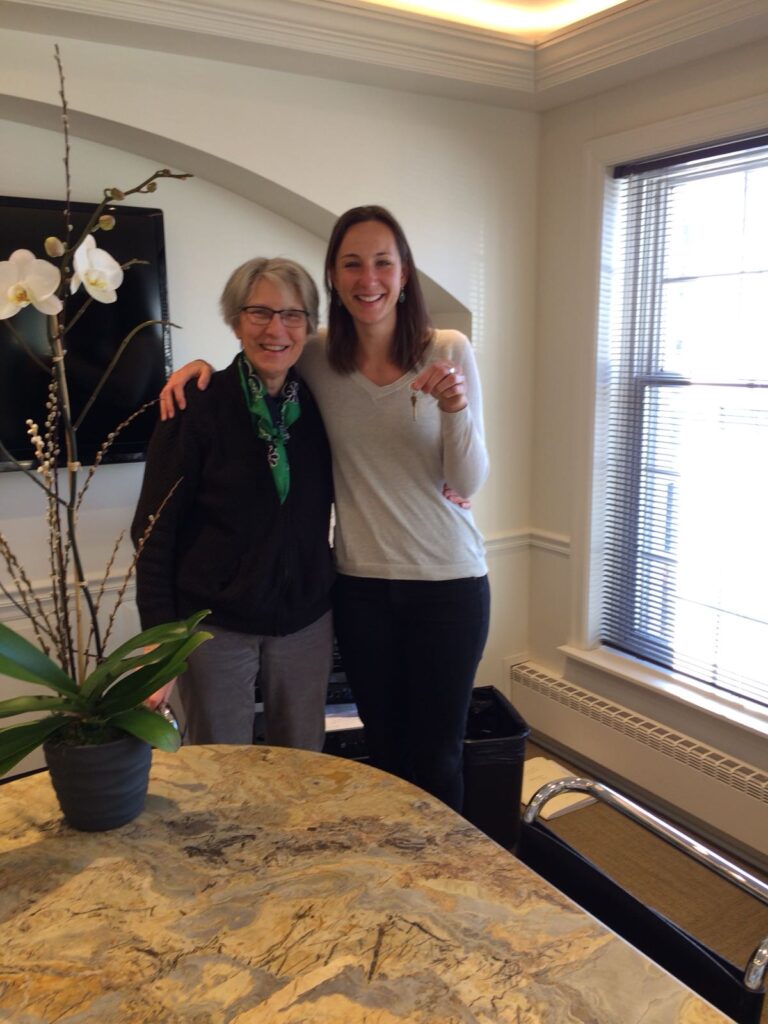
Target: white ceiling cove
{"points": [[362, 41], [526, 20]]}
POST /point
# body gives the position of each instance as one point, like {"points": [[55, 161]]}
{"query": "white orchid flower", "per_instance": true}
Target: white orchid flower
{"points": [[97, 271], [24, 281]]}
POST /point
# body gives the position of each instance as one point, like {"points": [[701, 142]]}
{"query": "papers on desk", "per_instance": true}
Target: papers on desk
{"points": [[537, 772]]}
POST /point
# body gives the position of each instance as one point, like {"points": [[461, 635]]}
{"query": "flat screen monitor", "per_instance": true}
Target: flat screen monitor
{"points": [[94, 337]]}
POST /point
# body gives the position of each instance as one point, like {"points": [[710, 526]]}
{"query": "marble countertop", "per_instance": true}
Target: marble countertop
{"points": [[265, 885]]}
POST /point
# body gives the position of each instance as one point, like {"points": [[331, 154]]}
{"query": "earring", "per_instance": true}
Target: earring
{"points": [[401, 296]]}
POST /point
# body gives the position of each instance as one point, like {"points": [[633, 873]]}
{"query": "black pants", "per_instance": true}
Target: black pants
{"points": [[410, 650]]}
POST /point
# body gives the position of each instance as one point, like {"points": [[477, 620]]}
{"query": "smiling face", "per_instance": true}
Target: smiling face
{"points": [[272, 348], [368, 275]]}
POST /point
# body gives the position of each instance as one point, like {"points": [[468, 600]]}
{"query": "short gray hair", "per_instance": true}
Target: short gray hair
{"points": [[285, 272]]}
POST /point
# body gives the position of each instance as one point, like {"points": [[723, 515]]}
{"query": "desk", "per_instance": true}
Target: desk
{"points": [[264, 885]]}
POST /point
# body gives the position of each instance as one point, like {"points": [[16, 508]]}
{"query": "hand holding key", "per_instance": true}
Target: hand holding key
{"points": [[444, 382]]}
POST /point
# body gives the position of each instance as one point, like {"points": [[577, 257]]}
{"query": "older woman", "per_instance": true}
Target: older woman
{"points": [[245, 532]]}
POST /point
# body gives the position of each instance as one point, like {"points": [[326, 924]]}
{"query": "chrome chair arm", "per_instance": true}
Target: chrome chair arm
{"points": [[754, 977]]}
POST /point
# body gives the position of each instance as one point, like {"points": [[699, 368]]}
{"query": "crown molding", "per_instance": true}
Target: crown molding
{"points": [[351, 41], [313, 37], [641, 38]]}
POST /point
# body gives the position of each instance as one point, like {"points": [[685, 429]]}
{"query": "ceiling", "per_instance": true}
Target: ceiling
{"points": [[525, 20], [371, 42]]}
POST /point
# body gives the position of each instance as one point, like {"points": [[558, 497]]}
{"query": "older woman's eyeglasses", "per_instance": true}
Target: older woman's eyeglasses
{"points": [[262, 315]]}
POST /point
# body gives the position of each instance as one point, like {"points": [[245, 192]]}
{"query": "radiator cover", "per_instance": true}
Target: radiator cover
{"points": [[712, 791]]}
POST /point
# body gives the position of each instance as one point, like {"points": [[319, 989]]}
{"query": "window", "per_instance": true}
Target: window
{"points": [[685, 580]]}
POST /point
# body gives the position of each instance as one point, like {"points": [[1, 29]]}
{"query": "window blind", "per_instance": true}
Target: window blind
{"points": [[685, 297]]}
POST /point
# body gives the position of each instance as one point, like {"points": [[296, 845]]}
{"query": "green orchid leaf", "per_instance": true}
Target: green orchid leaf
{"points": [[135, 688], [118, 663], [149, 726], [159, 634], [22, 660], [16, 741], [113, 669], [20, 705]]}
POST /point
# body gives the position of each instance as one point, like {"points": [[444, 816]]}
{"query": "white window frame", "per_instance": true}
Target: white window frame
{"points": [[722, 719]]}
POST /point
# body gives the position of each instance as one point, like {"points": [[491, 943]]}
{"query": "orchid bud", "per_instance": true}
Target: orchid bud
{"points": [[152, 186], [54, 246], [115, 193], [106, 222]]}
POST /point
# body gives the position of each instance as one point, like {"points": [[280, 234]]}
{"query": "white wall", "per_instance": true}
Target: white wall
{"points": [[461, 177]]}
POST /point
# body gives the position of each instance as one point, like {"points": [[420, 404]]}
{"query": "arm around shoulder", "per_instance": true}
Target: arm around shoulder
{"points": [[173, 396]]}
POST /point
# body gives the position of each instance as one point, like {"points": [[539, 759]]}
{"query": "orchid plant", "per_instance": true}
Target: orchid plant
{"points": [[94, 695]]}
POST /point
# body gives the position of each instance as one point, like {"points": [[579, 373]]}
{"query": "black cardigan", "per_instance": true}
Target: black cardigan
{"points": [[223, 541]]}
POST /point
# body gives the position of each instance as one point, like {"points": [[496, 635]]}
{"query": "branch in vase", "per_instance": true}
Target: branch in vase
{"points": [[65, 126], [102, 587], [34, 477], [113, 362], [107, 444], [28, 602], [151, 521]]}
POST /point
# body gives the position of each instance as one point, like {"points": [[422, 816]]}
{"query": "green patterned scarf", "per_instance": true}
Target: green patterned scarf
{"points": [[274, 435]]}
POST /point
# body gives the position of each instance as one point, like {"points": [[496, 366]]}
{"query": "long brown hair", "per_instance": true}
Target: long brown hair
{"points": [[413, 328]]}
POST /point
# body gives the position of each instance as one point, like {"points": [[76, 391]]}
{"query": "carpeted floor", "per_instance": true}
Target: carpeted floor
{"points": [[714, 910]]}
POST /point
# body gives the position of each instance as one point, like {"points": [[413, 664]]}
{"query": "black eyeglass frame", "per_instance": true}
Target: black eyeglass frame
{"points": [[251, 313]]}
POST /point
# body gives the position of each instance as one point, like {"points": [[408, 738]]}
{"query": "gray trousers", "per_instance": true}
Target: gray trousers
{"points": [[217, 690]]}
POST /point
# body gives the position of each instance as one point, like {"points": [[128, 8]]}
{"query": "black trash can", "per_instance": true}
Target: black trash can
{"points": [[494, 751]]}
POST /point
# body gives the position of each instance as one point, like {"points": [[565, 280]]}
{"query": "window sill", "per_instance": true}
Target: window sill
{"points": [[724, 720]]}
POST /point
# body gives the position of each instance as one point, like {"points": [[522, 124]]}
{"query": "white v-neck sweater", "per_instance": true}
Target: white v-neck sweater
{"points": [[392, 521]]}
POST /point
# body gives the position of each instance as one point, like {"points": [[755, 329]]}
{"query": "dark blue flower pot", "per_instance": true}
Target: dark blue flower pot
{"points": [[101, 786]]}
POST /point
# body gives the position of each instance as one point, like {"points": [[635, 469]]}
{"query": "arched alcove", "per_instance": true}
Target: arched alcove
{"points": [[248, 184]]}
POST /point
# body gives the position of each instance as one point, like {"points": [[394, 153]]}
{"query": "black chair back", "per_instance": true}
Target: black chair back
{"points": [[710, 975]]}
